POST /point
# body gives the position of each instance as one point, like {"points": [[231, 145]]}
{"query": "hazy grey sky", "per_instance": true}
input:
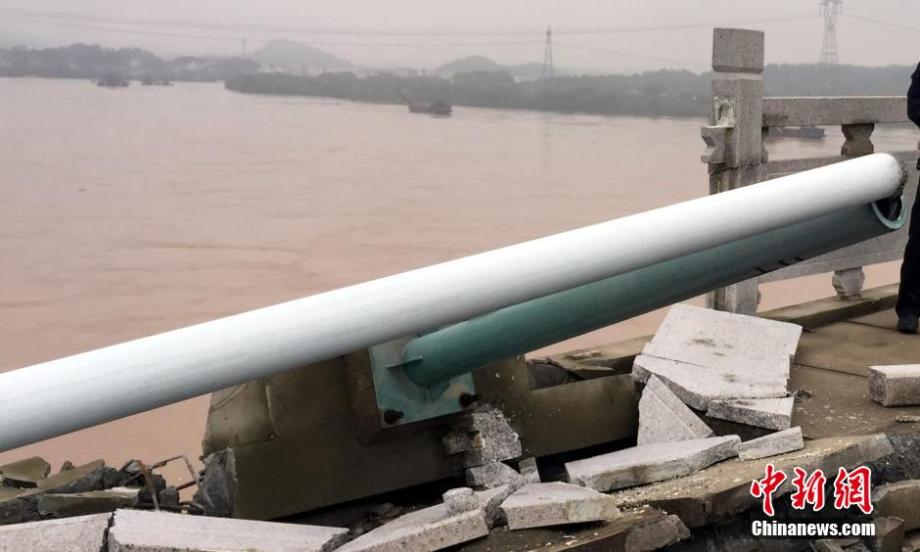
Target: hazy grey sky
{"points": [[893, 39]]}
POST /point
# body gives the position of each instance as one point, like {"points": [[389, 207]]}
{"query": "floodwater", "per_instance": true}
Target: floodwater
{"points": [[129, 212]]}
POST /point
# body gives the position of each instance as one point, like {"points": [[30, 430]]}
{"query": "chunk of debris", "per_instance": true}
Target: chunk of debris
{"points": [[828, 545], [24, 473], [144, 531], [907, 419], [911, 542], [530, 471], [92, 502], [770, 445], [664, 417], [705, 355], [895, 385], [217, 486], [649, 463], [75, 534], [545, 504], [889, 535], [431, 528], [82, 479], [483, 436], [493, 474], [773, 413], [460, 500], [901, 499], [490, 501]]}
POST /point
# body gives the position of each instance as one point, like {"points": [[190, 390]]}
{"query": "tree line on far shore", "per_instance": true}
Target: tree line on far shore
{"points": [[664, 92]]}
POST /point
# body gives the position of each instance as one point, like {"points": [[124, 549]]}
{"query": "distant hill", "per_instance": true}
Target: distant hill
{"points": [[524, 71], [296, 56], [468, 65]]}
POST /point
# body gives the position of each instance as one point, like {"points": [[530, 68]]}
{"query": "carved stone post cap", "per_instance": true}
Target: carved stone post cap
{"points": [[737, 50]]}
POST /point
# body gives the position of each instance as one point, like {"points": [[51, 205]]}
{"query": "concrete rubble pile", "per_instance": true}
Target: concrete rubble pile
{"points": [[29, 493], [683, 486]]}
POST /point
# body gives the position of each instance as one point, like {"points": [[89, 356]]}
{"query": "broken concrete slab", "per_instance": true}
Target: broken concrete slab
{"points": [[24, 473], [911, 542], [889, 535], [722, 491], [544, 504], [663, 417], [144, 531], [93, 502], [897, 385], [901, 499], [650, 463], [75, 534], [697, 385], [493, 474], [705, 355], [770, 413], [637, 530], [781, 442], [431, 528], [482, 437], [724, 341]]}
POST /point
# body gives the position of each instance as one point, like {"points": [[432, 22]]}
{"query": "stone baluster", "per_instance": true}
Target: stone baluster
{"points": [[735, 151], [848, 282]]}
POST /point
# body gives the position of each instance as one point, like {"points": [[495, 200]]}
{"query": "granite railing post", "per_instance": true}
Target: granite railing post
{"points": [[734, 136], [848, 282]]}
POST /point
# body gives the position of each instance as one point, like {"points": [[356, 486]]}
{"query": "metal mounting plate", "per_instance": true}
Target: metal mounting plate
{"points": [[396, 393]]}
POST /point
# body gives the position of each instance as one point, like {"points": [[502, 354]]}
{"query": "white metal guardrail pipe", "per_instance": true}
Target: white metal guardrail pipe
{"points": [[79, 391]]}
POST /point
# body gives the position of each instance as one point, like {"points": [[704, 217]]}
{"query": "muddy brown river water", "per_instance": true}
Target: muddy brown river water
{"points": [[129, 212]]}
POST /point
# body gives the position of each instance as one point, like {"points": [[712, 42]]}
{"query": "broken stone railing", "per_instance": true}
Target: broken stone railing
{"points": [[741, 117]]}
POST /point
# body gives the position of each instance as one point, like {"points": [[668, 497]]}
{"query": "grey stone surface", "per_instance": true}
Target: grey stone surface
{"points": [[491, 475], [771, 413], [781, 442], [24, 473], [460, 500], [76, 534], [889, 535], [93, 502], [546, 504], [664, 417], [895, 385], [839, 110], [530, 471], [428, 529], [146, 531], [737, 50], [657, 535], [650, 463], [704, 355], [482, 437], [901, 499]]}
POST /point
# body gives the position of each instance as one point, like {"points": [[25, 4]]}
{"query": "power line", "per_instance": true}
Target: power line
{"points": [[275, 29], [878, 22], [632, 55], [237, 39]]}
